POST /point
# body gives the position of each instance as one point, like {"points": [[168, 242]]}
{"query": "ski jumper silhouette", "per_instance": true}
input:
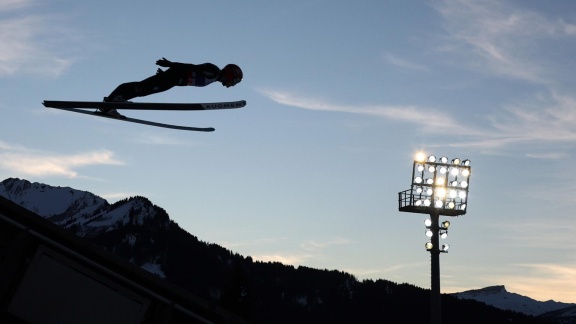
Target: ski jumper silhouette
{"points": [[177, 74]]}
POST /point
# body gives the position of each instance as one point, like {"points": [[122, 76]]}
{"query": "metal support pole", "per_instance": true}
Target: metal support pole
{"points": [[435, 269], [438, 188]]}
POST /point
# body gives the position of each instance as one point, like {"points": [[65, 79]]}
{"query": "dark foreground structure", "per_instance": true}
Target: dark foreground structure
{"points": [[48, 275]]}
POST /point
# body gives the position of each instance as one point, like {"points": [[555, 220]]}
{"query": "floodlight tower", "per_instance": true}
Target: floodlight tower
{"points": [[439, 187]]}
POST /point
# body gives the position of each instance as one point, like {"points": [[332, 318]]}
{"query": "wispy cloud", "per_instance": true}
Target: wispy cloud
{"points": [[551, 233], [164, 140], [503, 39], [295, 259], [500, 38], [554, 281], [9, 5], [33, 43], [254, 242], [429, 119], [404, 64], [306, 252], [540, 120], [547, 118], [319, 246], [20, 160]]}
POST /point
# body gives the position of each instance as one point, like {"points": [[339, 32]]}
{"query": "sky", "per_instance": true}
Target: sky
{"points": [[341, 95]]}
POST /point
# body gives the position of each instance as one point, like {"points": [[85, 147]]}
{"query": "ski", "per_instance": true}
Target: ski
{"points": [[138, 121], [145, 105]]}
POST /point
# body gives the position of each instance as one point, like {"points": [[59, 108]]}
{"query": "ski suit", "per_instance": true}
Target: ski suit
{"points": [[177, 74]]}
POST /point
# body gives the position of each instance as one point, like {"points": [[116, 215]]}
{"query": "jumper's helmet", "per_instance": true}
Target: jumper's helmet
{"points": [[232, 75]]}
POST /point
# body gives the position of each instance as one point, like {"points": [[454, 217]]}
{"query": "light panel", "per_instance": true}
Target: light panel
{"points": [[440, 183]]}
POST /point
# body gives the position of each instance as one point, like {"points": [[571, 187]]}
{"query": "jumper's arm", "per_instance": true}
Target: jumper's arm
{"points": [[167, 63]]}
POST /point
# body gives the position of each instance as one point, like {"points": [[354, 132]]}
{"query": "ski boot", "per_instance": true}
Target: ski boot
{"points": [[111, 112]]}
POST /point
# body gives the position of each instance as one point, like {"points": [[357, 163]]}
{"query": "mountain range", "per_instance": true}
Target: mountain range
{"points": [[261, 292], [499, 297]]}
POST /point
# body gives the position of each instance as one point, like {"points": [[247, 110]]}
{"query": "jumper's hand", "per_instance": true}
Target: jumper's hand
{"points": [[159, 71], [164, 62]]}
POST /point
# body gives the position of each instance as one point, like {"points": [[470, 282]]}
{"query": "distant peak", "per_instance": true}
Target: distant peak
{"points": [[494, 289], [488, 290]]}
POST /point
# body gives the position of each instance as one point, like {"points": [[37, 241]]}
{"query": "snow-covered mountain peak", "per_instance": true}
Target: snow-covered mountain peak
{"points": [[48, 201], [499, 297], [488, 290], [134, 211], [83, 212], [130, 226]]}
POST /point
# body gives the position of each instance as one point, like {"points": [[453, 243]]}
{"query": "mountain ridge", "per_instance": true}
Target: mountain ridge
{"points": [[142, 233], [499, 297]]}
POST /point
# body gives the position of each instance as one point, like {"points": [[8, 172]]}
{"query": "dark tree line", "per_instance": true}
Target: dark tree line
{"points": [[270, 292]]}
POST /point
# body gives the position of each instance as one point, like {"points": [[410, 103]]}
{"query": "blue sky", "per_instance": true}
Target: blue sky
{"points": [[341, 95]]}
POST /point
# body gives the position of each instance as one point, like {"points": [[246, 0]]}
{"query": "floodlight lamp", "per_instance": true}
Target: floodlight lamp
{"points": [[462, 194], [446, 224], [431, 169], [429, 181], [427, 202], [418, 203], [453, 194], [443, 170], [466, 162], [444, 235], [464, 184], [456, 161], [444, 159], [428, 222], [445, 247], [419, 190], [454, 171], [440, 181], [420, 157], [429, 192], [420, 168], [432, 158], [418, 180], [438, 204], [429, 233], [463, 207], [466, 172], [454, 183], [429, 246], [441, 192], [451, 205]]}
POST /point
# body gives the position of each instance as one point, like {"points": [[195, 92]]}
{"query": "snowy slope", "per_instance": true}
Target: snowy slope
{"points": [[55, 203], [90, 216], [564, 315], [499, 297]]}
